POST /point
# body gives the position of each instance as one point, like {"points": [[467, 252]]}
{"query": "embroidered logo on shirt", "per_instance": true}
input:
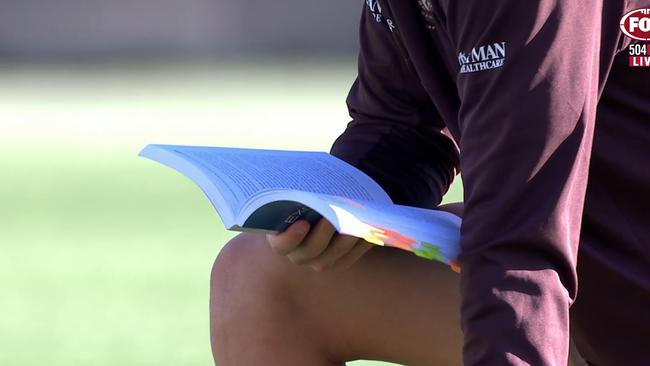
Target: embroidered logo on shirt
{"points": [[375, 9], [482, 58], [426, 9]]}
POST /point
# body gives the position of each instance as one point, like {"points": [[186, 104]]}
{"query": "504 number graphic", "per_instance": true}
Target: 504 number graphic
{"points": [[637, 49]]}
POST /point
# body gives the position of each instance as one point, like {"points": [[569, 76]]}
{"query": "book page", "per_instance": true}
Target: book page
{"points": [[241, 173], [224, 202]]}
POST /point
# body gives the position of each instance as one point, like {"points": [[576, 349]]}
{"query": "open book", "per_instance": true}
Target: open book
{"points": [[268, 190]]}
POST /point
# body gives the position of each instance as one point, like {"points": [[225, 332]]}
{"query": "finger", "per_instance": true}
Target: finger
{"points": [[288, 240], [339, 247], [314, 244], [360, 248]]}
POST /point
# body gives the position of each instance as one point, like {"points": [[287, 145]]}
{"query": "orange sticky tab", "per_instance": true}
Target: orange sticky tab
{"points": [[455, 266]]}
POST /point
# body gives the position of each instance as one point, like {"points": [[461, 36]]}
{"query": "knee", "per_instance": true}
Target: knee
{"points": [[251, 294], [231, 262], [245, 275], [254, 304], [235, 268]]}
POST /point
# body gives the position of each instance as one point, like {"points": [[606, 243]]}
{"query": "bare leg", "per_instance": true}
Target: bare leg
{"points": [[390, 305]]}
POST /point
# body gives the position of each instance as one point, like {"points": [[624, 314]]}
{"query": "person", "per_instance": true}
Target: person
{"points": [[534, 102]]}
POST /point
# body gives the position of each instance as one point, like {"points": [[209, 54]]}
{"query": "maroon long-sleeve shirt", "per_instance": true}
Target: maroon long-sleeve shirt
{"points": [[553, 129]]}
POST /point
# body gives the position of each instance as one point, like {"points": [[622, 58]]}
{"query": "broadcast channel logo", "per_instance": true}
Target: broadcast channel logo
{"points": [[636, 25]]}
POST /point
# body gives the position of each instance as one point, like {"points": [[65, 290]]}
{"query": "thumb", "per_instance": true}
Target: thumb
{"points": [[286, 241], [300, 228]]}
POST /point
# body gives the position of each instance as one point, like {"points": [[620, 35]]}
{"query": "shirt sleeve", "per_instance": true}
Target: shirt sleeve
{"points": [[395, 136], [528, 84]]}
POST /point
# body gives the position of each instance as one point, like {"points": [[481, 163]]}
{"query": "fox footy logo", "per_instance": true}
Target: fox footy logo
{"points": [[636, 24]]}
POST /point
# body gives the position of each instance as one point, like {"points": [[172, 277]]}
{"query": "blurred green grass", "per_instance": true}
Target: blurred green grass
{"points": [[106, 256]]}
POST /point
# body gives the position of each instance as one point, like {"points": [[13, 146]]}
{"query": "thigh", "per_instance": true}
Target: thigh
{"points": [[390, 305]]}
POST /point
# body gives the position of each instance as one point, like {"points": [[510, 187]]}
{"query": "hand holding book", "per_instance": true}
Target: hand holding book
{"points": [[318, 246]]}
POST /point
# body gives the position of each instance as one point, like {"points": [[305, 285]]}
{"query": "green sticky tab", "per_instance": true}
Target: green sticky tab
{"points": [[429, 251]]}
